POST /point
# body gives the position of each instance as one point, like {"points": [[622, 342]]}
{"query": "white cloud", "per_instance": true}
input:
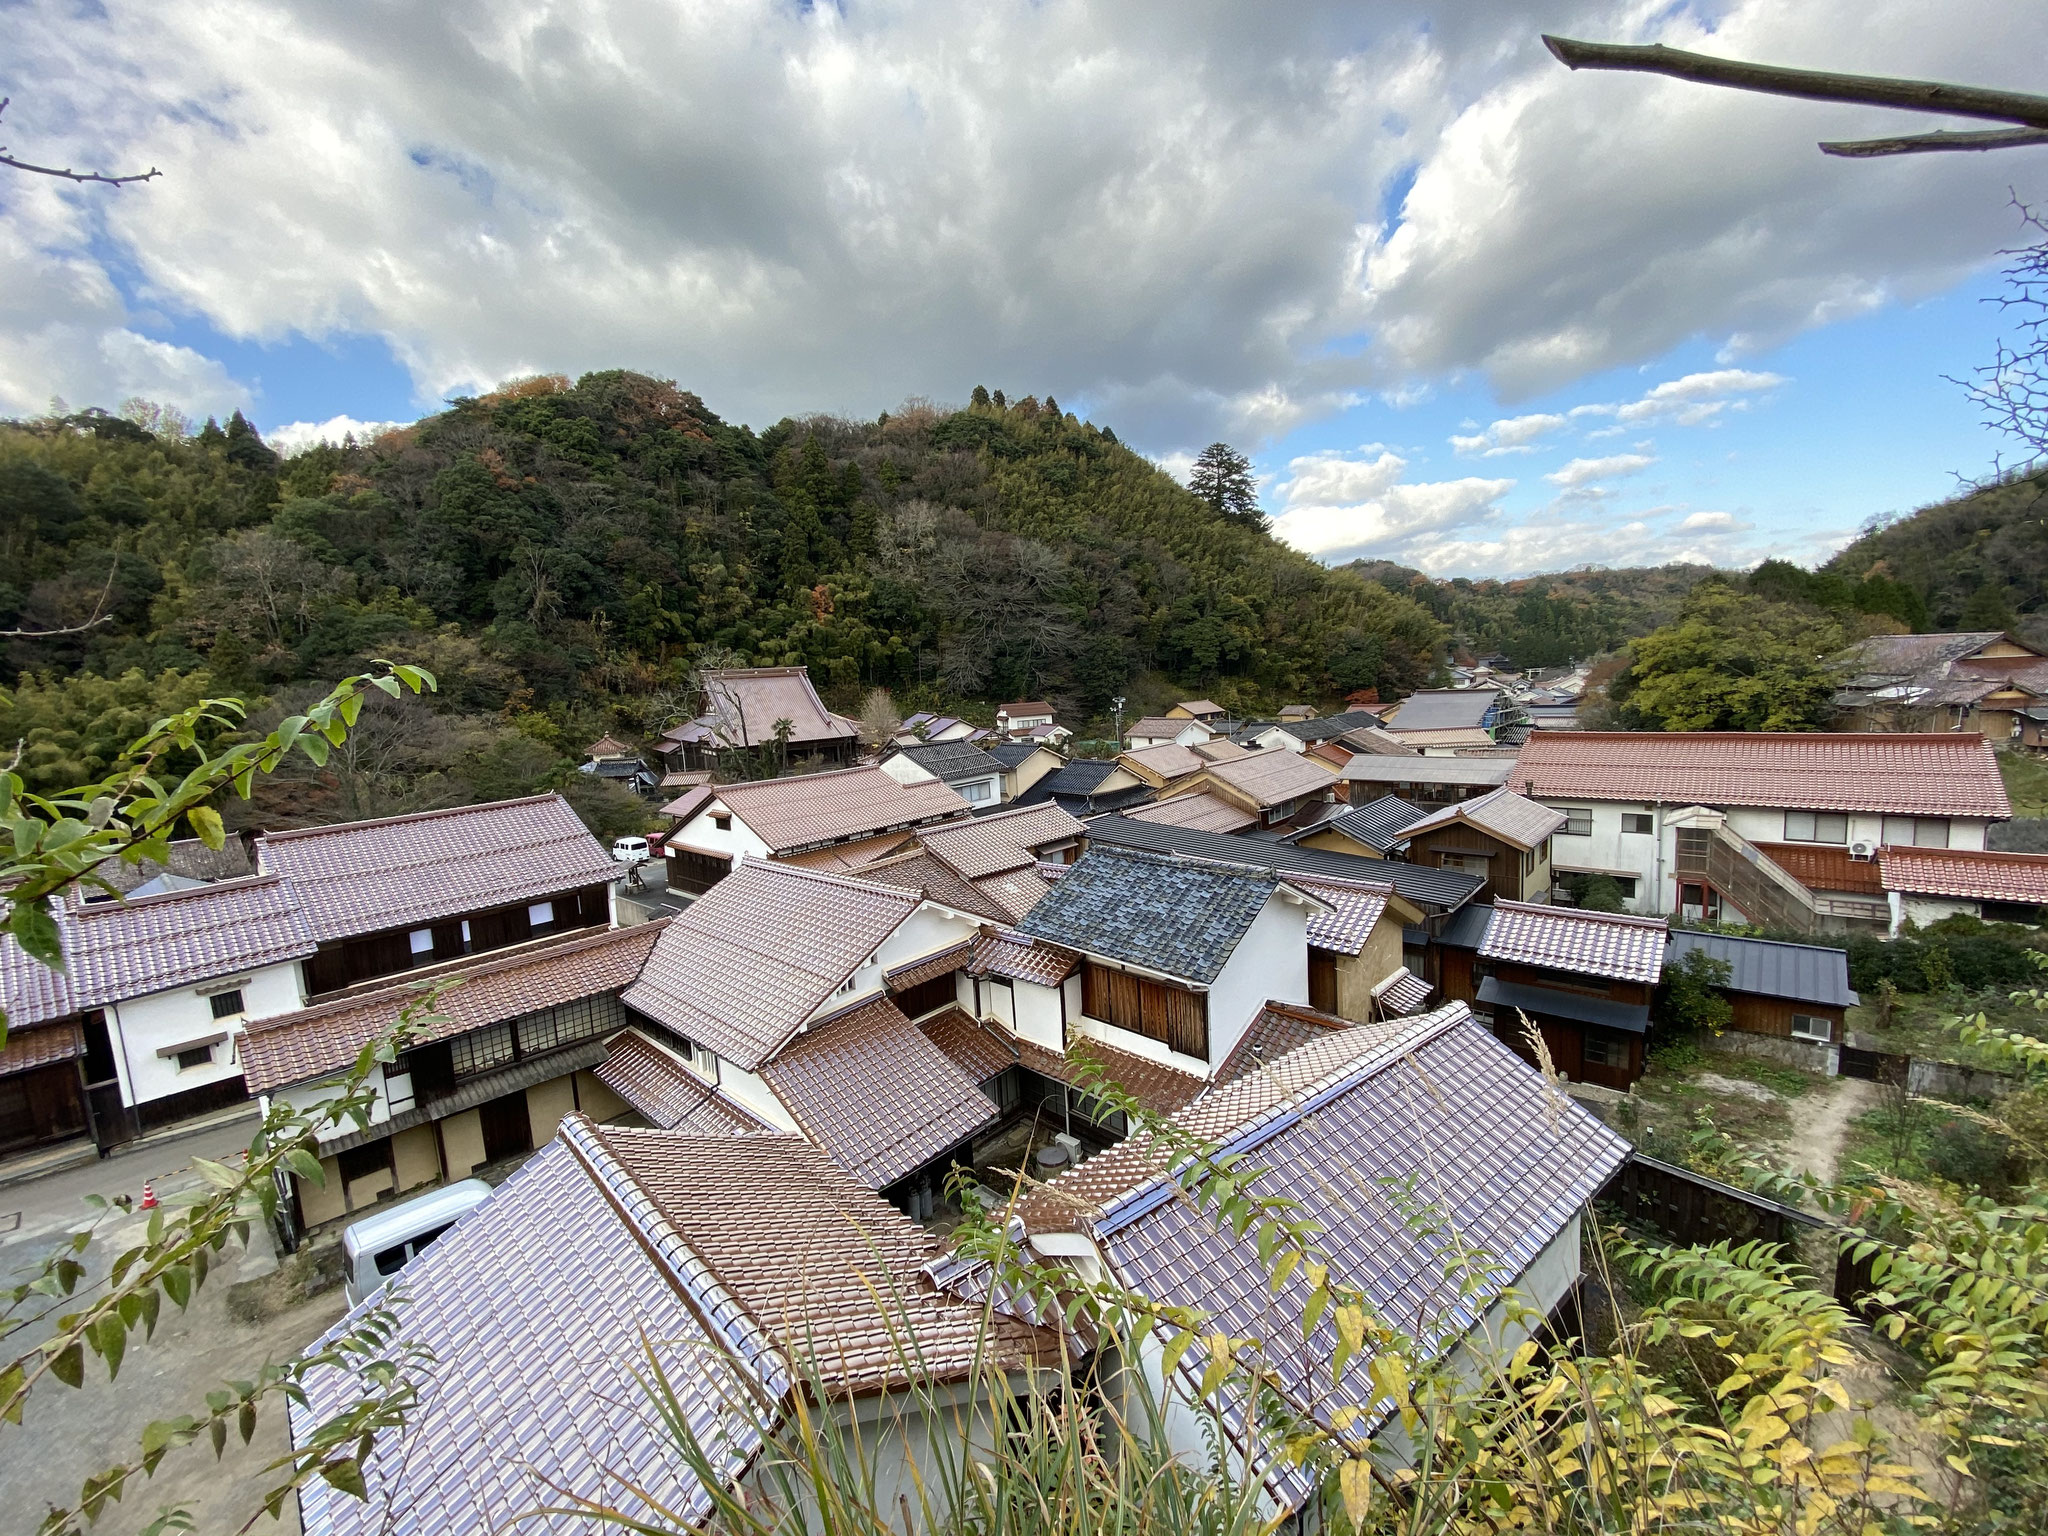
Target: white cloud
{"points": [[1516, 434], [1338, 508], [1698, 521], [1698, 397], [295, 435], [1583, 472], [1173, 211]]}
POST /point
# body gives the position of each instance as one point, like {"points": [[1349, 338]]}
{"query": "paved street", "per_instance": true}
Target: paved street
{"points": [[68, 1433], [656, 899]]}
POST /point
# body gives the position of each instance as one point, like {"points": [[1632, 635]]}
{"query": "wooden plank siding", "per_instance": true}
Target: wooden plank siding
{"points": [[1175, 1017], [1510, 876], [1759, 1015], [345, 962], [1566, 1039]]}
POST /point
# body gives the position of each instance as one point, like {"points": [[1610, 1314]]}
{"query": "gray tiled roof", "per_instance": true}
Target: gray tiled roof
{"points": [[402, 871], [1312, 731], [1443, 709], [1379, 824], [1173, 915], [30, 992], [1440, 1106], [951, 761], [1071, 781], [876, 1094], [751, 959], [1437, 889], [1802, 973]]}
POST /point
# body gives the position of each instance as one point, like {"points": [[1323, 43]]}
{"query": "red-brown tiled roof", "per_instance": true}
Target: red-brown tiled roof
{"points": [[1973, 876], [314, 1042], [918, 871], [754, 957], [948, 960], [977, 1049], [792, 814], [876, 1094], [1278, 1029], [1014, 892], [405, 871], [673, 1098], [1819, 867], [1089, 1063], [1203, 811], [845, 857], [1566, 939], [1010, 839], [1905, 775], [1021, 958], [28, 1047], [122, 949]]}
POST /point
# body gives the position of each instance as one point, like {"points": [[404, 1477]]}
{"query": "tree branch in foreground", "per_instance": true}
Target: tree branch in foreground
{"points": [[67, 174], [2030, 111]]}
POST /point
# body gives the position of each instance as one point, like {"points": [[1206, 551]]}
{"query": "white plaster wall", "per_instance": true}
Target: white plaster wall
{"points": [[1139, 1045], [1284, 740], [1932, 909], [991, 789], [905, 769], [750, 1092], [1038, 1015], [999, 1000], [1270, 961], [925, 932], [140, 1026], [700, 833]]}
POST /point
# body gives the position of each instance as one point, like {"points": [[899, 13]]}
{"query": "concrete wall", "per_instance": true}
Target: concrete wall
{"points": [[1807, 1055], [462, 1140], [140, 1026], [598, 1101]]}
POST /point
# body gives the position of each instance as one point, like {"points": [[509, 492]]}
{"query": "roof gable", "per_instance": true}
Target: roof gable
{"points": [[1262, 780], [1004, 840], [1499, 812], [754, 957], [743, 704]]}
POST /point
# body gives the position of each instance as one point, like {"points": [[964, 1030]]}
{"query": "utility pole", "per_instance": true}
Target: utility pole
{"points": [[1117, 704]]}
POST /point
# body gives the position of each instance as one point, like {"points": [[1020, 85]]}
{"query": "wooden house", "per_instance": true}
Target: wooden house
{"points": [[1500, 836]]}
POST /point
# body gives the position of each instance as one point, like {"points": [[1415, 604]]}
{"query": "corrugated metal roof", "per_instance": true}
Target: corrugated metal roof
{"points": [[1371, 768], [1907, 775], [1632, 1018], [1435, 889], [1172, 915], [1442, 709], [1567, 939], [754, 957], [877, 1094], [1803, 973], [403, 871], [790, 814]]}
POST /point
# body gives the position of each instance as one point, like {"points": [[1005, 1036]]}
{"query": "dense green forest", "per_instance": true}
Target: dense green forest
{"points": [[561, 555]]}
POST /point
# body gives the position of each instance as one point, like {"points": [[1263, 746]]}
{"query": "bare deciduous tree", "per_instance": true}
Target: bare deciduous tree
{"points": [[880, 719]]}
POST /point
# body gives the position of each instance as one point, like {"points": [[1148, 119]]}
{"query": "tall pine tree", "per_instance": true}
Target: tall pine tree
{"points": [[1223, 478]]}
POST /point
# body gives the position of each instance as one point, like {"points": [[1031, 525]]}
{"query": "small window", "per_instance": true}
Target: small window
{"points": [[197, 1056], [1605, 1051], [1816, 827], [392, 1260], [1916, 831], [540, 914], [847, 985], [422, 942], [1638, 821], [1578, 821], [226, 1004], [1808, 1026], [721, 820], [976, 791]]}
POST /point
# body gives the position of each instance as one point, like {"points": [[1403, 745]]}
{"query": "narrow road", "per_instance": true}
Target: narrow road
{"points": [[1823, 1124]]}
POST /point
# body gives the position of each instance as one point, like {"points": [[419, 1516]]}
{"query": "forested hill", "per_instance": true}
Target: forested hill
{"points": [[1977, 561], [560, 555], [1548, 620]]}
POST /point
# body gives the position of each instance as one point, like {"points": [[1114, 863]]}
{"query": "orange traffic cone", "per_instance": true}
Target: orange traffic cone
{"points": [[149, 1199]]}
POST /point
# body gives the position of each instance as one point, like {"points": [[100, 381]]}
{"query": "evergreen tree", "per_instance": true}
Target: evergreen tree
{"points": [[245, 446], [1223, 478], [979, 399]]}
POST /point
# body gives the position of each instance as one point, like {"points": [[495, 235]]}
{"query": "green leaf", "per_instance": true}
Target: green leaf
{"points": [[206, 824], [11, 1381], [347, 1475], [315, 747], [69, 1366], [217, 1174], [177, 1283], [110, 1335], [35, 930]]}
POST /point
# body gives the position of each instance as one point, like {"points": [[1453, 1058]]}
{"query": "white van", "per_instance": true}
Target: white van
{"points": [[379, 1246], [631, 850]]}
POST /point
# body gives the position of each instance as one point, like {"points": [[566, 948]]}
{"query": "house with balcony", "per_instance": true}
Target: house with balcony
{"points": [[1778, 829], [836, 820], [793, 996], [968, 771], [742, 1268]]}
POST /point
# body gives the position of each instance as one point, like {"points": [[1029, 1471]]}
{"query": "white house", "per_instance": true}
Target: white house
{"points": [[968, 771], [1168, 730], [1638, 805]]}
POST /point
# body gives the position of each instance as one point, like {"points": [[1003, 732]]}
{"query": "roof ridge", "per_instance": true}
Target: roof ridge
{"points": [[1626, 919], [294, 833], [1565, 738], [825, 877], [1267, 1123], [129, 902], [1914, 851], [418, 981], [800, 778], [721, 1312]]}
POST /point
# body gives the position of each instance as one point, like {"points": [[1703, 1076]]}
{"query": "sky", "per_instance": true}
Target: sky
{"points": [[1464, 309]]}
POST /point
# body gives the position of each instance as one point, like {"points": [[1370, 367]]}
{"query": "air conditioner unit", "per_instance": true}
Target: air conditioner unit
{"points": [[1862, 853]]}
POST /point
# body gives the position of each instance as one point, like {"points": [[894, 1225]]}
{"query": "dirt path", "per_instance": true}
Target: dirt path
{"points": [[1821, 1121]]}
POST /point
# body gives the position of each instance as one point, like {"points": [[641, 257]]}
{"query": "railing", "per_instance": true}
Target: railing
{"points": [[1746, 876]]}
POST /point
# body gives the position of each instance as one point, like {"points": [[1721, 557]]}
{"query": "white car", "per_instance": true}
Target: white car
{"points": [[631, 850], [379, 1246]]}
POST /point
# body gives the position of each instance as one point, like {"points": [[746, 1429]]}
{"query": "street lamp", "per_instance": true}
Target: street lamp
{"points": [[1117, 704]]}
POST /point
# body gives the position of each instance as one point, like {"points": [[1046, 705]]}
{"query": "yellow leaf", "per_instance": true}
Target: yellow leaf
{"points": [[1354, 1480]]}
